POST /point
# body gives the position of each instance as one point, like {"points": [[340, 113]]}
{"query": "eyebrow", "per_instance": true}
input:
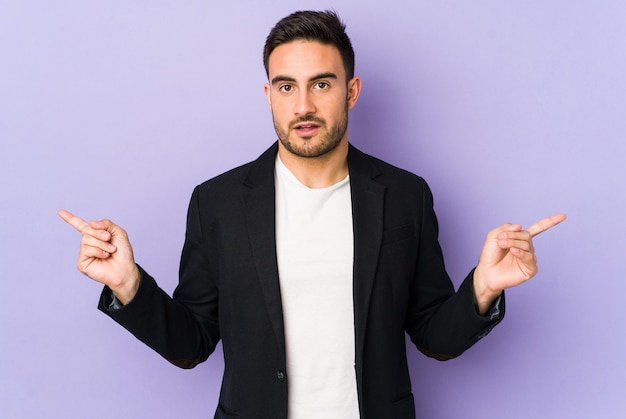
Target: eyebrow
{"points": [[280, 78]]}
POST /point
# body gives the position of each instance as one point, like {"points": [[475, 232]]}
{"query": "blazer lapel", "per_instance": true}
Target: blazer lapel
{"points": [[367, 212], [259, 207]]}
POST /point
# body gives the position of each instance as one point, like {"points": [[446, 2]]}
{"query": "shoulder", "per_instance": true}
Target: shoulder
{"points": [[380, 171], [247, 176], [228, 179]]}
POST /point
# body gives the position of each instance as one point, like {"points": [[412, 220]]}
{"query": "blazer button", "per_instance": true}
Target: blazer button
{"points": [[280, 375]]}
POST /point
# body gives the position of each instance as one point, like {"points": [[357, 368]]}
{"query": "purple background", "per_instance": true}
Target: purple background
{"points": [[511, 110]]}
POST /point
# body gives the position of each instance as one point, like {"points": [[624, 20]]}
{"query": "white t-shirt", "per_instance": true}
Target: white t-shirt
{"points": [[314, 243]]}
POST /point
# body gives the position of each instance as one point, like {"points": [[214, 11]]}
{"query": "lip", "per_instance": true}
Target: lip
{"points": [[306, 129]]}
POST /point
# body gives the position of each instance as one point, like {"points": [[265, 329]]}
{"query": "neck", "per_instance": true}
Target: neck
{"points": [[318, 172]]}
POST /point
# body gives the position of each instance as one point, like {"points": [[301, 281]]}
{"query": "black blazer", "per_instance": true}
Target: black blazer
{"points": [[229, 290]]}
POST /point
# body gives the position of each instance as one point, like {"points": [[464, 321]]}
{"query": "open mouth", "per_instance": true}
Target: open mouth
{"points": [[307, 128]]}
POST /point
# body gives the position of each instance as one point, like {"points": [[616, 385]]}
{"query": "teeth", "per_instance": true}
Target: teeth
{"points": [[303, 127]]}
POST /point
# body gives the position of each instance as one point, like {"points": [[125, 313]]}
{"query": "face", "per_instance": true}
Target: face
{"points": [[310, 97]]}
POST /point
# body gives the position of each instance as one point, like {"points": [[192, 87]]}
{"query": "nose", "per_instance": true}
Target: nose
{"points": [[304, 104]]}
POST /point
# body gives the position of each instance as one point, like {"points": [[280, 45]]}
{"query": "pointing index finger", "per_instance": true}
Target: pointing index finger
{"points": [[78, 223], [545, 224]]}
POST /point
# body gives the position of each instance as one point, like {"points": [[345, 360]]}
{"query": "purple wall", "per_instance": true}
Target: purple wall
{"points": [[511, 110]]}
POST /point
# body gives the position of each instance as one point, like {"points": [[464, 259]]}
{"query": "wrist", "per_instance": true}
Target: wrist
{"points": [[126, 291], [485, 296]]}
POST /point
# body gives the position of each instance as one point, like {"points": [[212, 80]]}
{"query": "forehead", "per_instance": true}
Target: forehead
{"points": [[302, 58]]}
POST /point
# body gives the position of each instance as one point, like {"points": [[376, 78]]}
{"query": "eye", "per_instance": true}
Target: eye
{"points": [[322, 85], [285, 88]]}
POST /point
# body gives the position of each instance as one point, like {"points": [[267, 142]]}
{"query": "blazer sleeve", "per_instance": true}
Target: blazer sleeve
{"points": [[440, 322], [183, 329]]}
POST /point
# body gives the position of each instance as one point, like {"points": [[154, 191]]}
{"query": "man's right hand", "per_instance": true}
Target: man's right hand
{"points": [[106, 255]]}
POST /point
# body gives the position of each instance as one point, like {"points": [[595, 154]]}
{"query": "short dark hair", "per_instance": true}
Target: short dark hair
{"points": [[325, 27]]}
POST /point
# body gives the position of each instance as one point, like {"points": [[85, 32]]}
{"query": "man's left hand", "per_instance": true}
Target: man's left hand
{"points": [[507, 259]]}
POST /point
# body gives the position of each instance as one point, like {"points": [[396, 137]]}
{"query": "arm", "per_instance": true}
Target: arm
{"points": [[442, 323], [182, 330]]}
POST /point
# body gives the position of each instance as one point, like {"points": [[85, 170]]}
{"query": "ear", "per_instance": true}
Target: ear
{"points": [[268, 93], [354, 90]]}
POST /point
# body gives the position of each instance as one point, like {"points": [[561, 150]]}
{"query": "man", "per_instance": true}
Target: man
{"points": [[311, 262]]}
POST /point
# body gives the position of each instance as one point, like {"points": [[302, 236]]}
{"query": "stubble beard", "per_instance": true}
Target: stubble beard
{"points": [[325, 144]]}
